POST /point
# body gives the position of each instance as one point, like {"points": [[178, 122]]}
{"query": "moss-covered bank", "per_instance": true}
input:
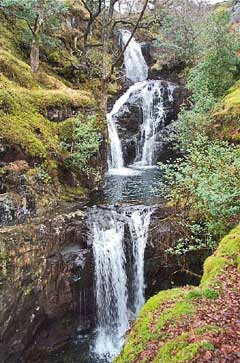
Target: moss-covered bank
{"points": [[178, 325], [227, 115], [33, 113]]}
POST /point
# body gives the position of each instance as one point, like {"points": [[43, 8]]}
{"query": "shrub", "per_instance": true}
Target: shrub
{"points": [[205, 187], [82, 140]]}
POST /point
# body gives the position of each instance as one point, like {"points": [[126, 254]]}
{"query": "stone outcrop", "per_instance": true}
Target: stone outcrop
{"points": [[235, 12], [46, 286]]}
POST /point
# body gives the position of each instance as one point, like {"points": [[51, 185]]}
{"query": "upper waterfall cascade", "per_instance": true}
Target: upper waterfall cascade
{"points": [[150, 96], [135, 65]]}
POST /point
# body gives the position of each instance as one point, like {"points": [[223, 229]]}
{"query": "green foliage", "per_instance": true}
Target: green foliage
{"points": [[210, 78], [214, 74], [210, 294], [82, 140], [206, 186], [42, 175]]}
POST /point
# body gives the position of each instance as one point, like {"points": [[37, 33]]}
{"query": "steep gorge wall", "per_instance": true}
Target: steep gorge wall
{"points": [[47, 264]]}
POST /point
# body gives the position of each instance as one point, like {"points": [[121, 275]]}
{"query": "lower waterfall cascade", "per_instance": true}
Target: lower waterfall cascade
{"points": [[114, 283]]}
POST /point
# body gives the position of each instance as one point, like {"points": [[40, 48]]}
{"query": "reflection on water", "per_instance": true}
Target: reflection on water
{"points": [[137, 185], [81, 350]]}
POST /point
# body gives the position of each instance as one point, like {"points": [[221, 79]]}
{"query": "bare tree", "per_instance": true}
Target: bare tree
{"points": [[181, 27]]}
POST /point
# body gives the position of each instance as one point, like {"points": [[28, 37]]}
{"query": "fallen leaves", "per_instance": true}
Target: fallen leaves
{"points": [[222, 313]]}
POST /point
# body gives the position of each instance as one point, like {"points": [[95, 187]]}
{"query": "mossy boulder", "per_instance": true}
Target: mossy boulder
{"points": [[227, 253], [227, 115]]}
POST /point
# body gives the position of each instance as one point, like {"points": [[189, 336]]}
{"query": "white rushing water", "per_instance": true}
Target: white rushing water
{"points": [[139, 226], [111, 249], [150, 97], [116, 155], [135, 65]]}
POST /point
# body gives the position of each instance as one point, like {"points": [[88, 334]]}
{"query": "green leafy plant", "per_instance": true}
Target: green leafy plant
{"points": [[211, 294], [42, 175], [82, 144], [204, 187], [215, 71]]}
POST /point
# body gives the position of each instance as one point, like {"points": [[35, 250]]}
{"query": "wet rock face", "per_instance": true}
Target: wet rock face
{"points": [[162, 270], [131, 118], [58, 114], [235, 12], [162, 67], [17, 201], [47, 286], [10, 153]]}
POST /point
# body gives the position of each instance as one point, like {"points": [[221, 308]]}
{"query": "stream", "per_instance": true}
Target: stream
{"points": [[119, 230]]}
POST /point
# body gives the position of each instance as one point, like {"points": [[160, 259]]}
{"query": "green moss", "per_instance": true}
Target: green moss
{"points": [[231, 103], [72, 194], [21, 121], [210, 294], [228, 113], [179, 350], [238, 262], [150, 327], [194, 295], [182, 308], [213, 266], [21, 124], [44, 99], [141, 332], [16, 70], [226, 254]]}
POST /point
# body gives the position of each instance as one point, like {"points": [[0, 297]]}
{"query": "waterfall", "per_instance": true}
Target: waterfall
{"points": [[111, 250], [152, 102], [151, 97], [139, 226], [119, 234], [135, 65], [116, 156]]}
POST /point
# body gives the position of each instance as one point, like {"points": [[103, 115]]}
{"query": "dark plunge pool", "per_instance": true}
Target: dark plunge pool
{"points": [[134, 186]]}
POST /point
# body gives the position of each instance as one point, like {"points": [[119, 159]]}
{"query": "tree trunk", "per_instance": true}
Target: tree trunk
{"points": [[34, 56]]}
